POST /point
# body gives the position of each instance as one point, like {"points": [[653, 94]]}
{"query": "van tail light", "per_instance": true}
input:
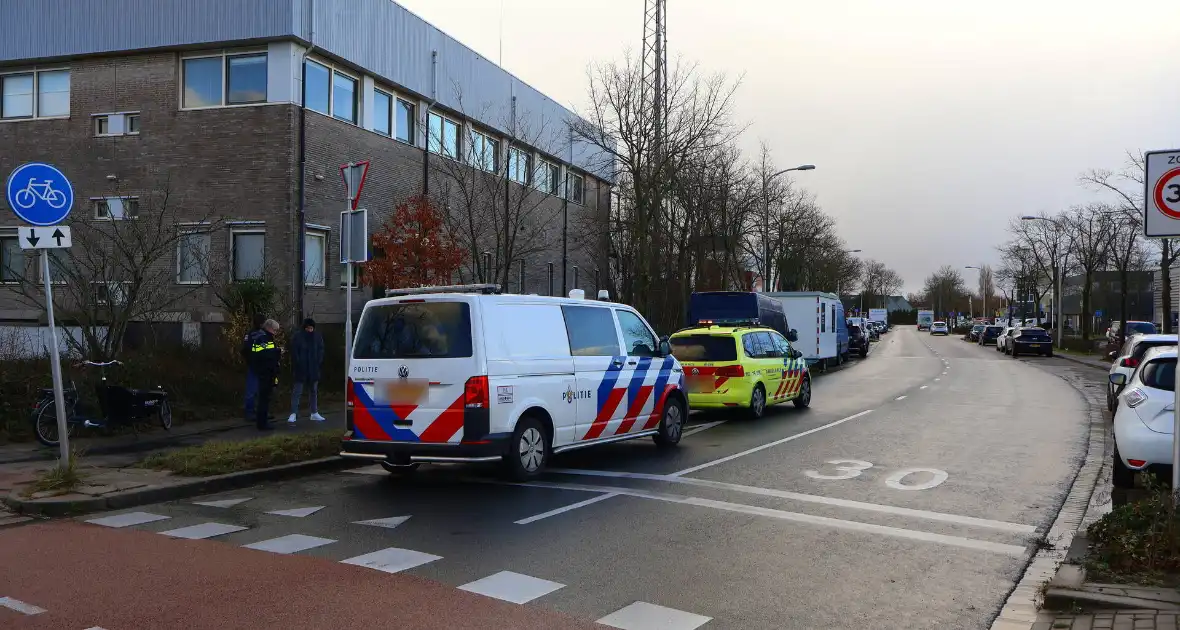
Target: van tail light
{"points": [[1129, 362], [475, 393], [731, 371], [1134, 398], [350, 395]]}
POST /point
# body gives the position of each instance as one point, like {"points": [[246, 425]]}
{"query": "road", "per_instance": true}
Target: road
{"points": [[910, 495]]}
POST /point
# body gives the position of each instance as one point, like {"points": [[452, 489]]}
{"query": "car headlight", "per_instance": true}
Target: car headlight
{"points": [[1134, 398]]}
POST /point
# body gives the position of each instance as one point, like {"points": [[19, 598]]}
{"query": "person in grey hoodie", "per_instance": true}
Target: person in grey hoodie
{"points": [[307, 355]]}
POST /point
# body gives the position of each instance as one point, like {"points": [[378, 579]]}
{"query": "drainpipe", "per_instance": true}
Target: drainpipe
{"points": [[426, 122], [300, 289]]}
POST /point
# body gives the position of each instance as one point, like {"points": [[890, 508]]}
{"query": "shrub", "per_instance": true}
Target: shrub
{"points": [[1139, 540]]}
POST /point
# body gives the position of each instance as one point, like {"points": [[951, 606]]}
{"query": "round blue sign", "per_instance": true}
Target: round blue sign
{"points": [[40, 194]]}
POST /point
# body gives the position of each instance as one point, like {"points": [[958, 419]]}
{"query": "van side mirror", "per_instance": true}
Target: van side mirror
{"points": [[795, 354], [793, 335], [1118, 379], [665, 347]]}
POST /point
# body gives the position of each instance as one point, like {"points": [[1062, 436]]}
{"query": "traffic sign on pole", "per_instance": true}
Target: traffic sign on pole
{"points": [[1162, 194], [39, 194], [354, 236], [52, 237], [354, 180]]}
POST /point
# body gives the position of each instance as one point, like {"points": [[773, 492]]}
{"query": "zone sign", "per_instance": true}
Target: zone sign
{"points": [[1162, 194]]}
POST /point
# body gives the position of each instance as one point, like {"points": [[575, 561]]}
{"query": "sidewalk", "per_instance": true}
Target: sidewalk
{"points": [[1098, 363], [1108, 620]]}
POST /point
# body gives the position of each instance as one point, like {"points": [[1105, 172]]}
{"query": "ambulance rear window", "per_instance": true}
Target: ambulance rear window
{"points": [[439, 330], [709, 348]]}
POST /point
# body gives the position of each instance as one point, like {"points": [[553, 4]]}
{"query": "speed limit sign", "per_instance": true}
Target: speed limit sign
{"points": [[1162, 194]]}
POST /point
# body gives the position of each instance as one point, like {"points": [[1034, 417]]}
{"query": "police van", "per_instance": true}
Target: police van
{"points": [[466, 374]]}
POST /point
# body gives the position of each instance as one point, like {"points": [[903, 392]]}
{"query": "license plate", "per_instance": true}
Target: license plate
{"points": [[701, 385], [1034, 345], [402, 391]]}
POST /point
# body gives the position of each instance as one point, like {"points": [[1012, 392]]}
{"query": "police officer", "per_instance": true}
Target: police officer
{"points": [[264, 362], [251, 377]]}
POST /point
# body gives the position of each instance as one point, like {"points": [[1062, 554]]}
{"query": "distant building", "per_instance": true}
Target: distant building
{"points": [[1105, 298], [898, 303]]}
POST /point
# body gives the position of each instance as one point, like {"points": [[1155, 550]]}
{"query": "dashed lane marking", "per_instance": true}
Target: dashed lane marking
{"points": [[693, 430], [204, 530], [567, 508], [392, 559], [1016, 528], [291, 543], [924, 387], [512, 587], [23, 608], [900, 398], [128, 519], [645, 616], [869, 528]]}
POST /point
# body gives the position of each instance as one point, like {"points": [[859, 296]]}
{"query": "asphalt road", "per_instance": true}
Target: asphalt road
{"points": [[910, 495]]}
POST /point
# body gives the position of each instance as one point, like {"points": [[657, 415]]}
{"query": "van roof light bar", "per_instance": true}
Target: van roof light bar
{"points": [[482, 289]]}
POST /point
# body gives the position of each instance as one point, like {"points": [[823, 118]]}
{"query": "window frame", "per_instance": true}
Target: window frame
{"points": [[22, 271], [618, 343], [52, 254], [571, 176], [357, 272], [390, 116], [234, 232], [107, 283], [411, 118], [357, 86], [127, 118], [515, 155], [310, 232], [443, 120], [191, 229], [224, 55], [94, 204], [477, 138], [35, 72]]}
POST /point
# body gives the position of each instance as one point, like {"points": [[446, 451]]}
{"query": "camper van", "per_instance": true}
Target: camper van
{"points": [[818, 322]]}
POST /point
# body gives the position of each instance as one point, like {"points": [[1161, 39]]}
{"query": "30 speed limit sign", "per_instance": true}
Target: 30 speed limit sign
{"points": [[1162, 194]]}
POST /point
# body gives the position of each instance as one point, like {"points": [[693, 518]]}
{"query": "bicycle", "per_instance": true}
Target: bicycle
{"points": [[29, 196], [117, 405]]}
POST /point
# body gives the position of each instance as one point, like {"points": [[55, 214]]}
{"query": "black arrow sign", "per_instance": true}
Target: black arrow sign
{"points": [[32, 237], [57, 235]]}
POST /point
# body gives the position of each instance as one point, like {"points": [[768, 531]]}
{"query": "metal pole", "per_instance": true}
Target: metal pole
{"points": [[575, 276], [1057, 307], [59, 399], [521, 281], [1175, 435], [550, 294], [347, 294]]}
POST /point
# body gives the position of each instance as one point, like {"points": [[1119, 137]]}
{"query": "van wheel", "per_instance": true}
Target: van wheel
{"points": [[757, 402], [1120, 475], [803, 400], [671, 425], [402, 470], [528, 450]]}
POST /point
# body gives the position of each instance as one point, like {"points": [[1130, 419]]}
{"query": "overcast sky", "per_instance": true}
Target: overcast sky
{"points": [[931, 122]]}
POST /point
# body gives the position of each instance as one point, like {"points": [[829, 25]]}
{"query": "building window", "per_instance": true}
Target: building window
{"points": [[17, 101], [357, 270], [131, 124], [483, 151], [12, 260], [444, 136], [574, 185], [315, 259], [249, 254], [110, 293], [317, 96], [102, 125], [405, 121], [548, 177], [382, 113], [192, 258], [53, 93], [247, 79], [59, 267], [225, 79], [519, 163], [115, 208], [344, 97]]}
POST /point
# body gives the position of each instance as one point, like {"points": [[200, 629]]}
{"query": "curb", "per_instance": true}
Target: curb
{"points": [[1071, 599], [180, 490], [163, 441], [1080, 361]]}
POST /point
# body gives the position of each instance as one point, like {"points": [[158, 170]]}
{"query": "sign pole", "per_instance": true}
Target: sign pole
{"points": [[347, 292], [59, 399]]}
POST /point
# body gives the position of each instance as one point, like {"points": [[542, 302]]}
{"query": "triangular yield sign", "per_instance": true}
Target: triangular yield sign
{"points": [[298, 512], [223, 503], [388, 523]]}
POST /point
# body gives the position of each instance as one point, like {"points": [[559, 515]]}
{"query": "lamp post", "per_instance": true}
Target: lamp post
{"points": [[766, 220], [1057, 273], [982, 295]]}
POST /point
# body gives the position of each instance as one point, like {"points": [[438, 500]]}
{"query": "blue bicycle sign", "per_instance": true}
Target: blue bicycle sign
{"points": [[40, 194]]}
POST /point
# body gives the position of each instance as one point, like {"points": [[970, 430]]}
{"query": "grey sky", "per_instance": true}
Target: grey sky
{"points": [[931, 121]]}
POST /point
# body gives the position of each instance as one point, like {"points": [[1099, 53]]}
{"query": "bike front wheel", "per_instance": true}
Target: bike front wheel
{"points": [[165, 415], [45, 424]]}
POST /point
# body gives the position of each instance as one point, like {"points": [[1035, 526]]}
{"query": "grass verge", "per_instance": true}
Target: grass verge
{"points": [[221, 457], [1138, 542], [59, 479]]}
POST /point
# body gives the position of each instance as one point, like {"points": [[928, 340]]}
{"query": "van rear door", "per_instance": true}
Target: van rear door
{"points": [[417, 372]]}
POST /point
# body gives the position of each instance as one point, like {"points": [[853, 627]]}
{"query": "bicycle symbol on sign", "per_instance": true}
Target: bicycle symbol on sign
{"points": [[34, 191]]}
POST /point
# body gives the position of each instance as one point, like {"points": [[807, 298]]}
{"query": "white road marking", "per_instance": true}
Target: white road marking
{"points": [[392, 559], [853, 469], [645, 616], [388, 523], [298, 512], [938, 379], [572, 506], [512, 587], [769, 444], [924, 387], [222, 503], [808, 498], [290, 543], [701, 427], [128, 519], [204, 530], [21, 607], [894, 480], [900, 398]]}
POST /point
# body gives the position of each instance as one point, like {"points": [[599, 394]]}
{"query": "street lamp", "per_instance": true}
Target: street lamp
{"points": [[980, 270], [766, 219], [1057, 296]]}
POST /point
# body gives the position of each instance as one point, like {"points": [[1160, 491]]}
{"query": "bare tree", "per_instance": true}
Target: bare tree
{"points": [[987, 287], [945, 290], [1044, 249], [1089, 229], [878, 282]]}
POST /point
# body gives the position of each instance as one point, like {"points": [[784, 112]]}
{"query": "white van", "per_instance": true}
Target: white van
{"points": [[464, 374]]}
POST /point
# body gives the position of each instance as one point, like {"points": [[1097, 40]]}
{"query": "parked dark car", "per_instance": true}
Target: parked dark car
{"points": [[1031, 341], [858, 341], [973, 334], [989, 334]]}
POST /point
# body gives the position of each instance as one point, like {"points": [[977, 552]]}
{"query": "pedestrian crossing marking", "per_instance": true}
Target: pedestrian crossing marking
{"points": [[222, 503], [298, 512], [21, 607], [128, 519], [291, 543], [392, 559], [512, 587], [645, 616], [204, 530], [388, 523]]}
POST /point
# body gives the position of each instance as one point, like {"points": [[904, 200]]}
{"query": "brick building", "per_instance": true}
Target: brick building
{"points": [[193, 110]]}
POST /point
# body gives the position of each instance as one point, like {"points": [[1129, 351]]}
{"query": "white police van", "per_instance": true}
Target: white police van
{"points": [[465, 374]]}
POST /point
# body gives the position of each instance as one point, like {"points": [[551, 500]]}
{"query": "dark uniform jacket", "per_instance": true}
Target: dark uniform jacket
{"points": [[264, 355], [307, 354]]}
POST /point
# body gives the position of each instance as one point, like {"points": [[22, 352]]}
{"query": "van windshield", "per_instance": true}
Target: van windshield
{"points": [[416, 330], [704, 348]]}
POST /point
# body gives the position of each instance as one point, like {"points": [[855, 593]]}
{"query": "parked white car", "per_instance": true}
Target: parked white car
{"points": [[1143, 421], [1002, 340], [939, 328], [1129, 357]]}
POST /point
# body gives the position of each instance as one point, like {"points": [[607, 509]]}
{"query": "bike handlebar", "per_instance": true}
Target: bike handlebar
{"points": [[93, 364]]}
